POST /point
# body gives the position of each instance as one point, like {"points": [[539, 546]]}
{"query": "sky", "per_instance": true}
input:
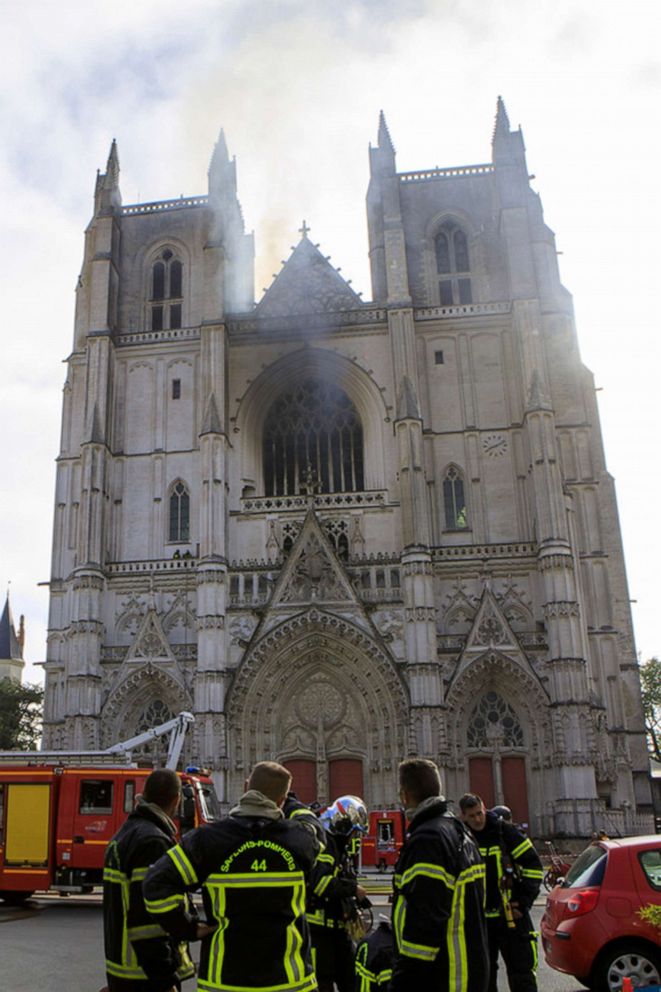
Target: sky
{"points": [[297, 86]]}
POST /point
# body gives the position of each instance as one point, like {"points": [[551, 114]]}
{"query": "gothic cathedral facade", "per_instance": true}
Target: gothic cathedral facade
{"points": [[343, 532]]}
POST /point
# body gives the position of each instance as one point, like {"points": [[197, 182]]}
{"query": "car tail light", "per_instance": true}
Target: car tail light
{"points": [[581, 902]]}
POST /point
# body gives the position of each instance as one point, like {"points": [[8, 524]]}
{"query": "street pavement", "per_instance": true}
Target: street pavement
{"points": [[55, 944]]}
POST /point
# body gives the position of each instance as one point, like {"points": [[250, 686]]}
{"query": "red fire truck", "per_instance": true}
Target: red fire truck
{"points": [[384, 838], [58, 810]]}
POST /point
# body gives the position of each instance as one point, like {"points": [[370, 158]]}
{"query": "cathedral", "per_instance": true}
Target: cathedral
{"points": [[343, 532]]}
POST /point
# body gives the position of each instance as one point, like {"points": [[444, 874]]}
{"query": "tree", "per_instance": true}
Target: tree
{"points": [[650, 683], [21, 713]]}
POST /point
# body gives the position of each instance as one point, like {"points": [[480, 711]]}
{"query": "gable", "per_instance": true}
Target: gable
{"points": [[307, 283]]}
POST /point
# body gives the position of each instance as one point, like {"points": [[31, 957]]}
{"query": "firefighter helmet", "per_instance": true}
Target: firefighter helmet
{"points": [[504, 812], [345, 815]]}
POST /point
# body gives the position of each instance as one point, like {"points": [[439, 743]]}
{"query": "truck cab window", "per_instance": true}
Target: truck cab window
{"points": [[96, 796]]}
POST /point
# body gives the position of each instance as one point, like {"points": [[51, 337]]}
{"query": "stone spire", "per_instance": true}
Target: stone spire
{"points": [[11, 648], [384, 140], [222, 170], [107, 194]]}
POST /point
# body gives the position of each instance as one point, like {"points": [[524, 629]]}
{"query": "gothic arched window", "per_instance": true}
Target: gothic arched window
{"points": [[453, 265], [179, 529], [493, 721], [154, 714], [313, 439], [166, 297], [454, 500]]}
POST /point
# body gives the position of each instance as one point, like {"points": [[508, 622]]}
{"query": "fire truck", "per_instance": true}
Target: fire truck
{"points": [[384, 838], [59, 809]]}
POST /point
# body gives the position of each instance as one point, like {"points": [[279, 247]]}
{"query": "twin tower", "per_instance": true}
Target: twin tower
{"points": [[343, 532]]}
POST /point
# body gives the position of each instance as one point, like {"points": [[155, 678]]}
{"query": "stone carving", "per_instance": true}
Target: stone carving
{"points": [[389, 624], [241, 629]]}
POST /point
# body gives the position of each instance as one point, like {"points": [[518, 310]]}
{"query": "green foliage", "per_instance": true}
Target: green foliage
{"points": [[21, 713], [650, 683], [651, 914]]}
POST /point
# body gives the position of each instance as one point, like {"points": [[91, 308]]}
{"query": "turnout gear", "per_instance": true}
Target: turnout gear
{"points": [[253, 870], [438, 919], [374, 957], [332, 902], [139, 953], [514, 875]]}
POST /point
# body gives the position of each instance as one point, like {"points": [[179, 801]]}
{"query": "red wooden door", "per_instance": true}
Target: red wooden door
{"points": [[515, 788], [345, 778], [304, 778], [480, 775]]}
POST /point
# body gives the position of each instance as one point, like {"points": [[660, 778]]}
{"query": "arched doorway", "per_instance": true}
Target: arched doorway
{"points": [[321, 696]]}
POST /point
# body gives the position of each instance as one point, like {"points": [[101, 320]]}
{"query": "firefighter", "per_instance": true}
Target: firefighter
{"points": [[374, 956], [514, 876], [253, 866], [438, 893], [335, 895], [139, 954]]}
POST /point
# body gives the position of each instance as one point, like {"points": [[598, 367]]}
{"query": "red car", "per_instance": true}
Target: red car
{"points": [[592, 927]]}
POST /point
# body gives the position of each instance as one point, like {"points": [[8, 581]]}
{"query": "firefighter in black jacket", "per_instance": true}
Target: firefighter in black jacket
{"points": [[335, 895], [253, 866], [438, 894], [140, 955], [514, 876], [374, 957]]}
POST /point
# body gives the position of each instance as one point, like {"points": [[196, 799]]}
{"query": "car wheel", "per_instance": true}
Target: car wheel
{"points": [[640, 963]]}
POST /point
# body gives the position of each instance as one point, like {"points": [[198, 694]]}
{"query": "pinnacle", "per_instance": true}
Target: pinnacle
{"points": [[384, 139]]}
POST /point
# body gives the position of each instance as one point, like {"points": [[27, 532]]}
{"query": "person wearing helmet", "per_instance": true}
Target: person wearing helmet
{"points": [[438, 893], [504, 812], [334, 892], [514, 876]]}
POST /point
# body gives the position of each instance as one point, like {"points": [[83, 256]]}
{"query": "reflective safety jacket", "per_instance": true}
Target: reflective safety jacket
{"points": [[503, 847], [139, 952], [331, 898], [438, 917], [374, 957], [253, 872]]}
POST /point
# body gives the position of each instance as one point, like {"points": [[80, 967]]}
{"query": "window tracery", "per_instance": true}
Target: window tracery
{"points": [[313, 439], [493, 721], [453, 265], [166, 296], [454, 500], [179, 529]]}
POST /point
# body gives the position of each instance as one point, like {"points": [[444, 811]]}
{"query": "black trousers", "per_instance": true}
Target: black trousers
{"points": [[333, 957], [518, 947]]}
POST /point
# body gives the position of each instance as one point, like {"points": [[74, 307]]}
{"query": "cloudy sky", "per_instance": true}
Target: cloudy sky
{"points": [[297, 86]]}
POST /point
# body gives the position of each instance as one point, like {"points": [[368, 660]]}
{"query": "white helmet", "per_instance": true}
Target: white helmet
{"points": [[345, 815]]}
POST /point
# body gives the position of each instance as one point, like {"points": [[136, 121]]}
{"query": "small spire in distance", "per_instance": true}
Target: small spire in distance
{"points": [[220, 155]]}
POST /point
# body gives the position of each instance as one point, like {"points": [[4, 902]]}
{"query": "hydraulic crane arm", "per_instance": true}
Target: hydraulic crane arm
{"points": [[176, 727]]}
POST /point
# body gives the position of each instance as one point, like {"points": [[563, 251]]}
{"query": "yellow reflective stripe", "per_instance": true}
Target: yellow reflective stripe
{"points": [[524, 846], [112, 875], [428, 871], [294, 964], [124, 971], [419, 951], [535, 957], [532, 872], [165, 905], [322, 885], [183, 865], [457, 950], [257, 879], [138, 874], [146, 931], [327, 858]]}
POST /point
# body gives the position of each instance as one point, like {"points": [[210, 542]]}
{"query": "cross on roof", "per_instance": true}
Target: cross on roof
{"points": [[303, 231]]}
